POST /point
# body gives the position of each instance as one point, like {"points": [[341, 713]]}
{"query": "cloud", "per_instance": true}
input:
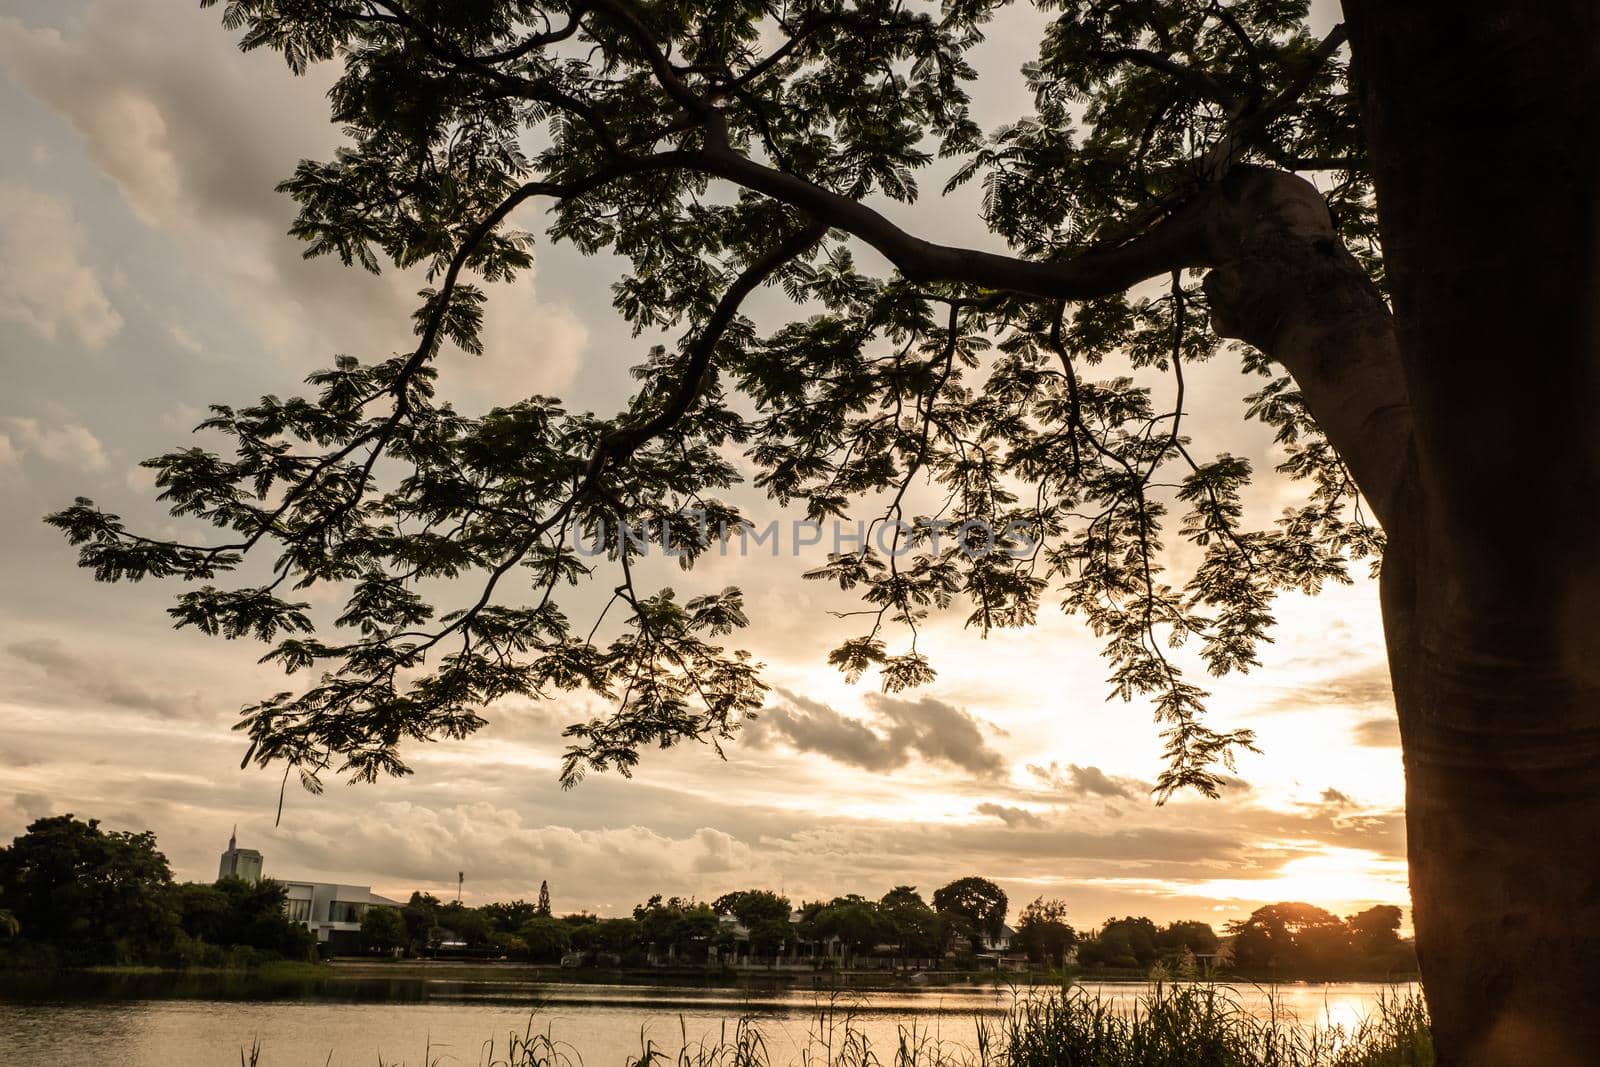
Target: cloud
{"points": [[1335, 798], [44, 282], [1382, 732], [71, 445], [412, 845], [811, 726], [196, 136], [529, 347], [185, 338], [68, 673], [898, 731], [1013, 817], [1367, 688], [1088, 781]]}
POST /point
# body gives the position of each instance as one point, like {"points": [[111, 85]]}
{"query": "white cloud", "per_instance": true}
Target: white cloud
{"points": [[71, 445], [529, 347], [44, 282]]}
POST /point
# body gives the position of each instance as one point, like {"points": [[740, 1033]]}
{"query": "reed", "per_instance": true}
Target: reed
{"points": [[1170, 1025]]}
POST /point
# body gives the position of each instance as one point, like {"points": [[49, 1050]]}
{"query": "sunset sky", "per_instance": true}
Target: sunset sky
{"points": [[145, 272]]}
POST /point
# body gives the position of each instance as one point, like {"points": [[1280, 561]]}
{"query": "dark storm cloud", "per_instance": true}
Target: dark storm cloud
{"points": [[897, 732]]}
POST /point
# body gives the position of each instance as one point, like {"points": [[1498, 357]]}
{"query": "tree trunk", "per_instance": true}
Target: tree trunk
{"points": [[1493, 639], [1483, 122], [1502, 756]]}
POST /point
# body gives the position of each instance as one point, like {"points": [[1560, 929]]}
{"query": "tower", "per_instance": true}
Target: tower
{"points": [[242, 863]]}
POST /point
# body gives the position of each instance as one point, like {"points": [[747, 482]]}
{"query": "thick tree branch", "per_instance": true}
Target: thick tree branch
{"points": [[1282, 281], [1177, 242]]}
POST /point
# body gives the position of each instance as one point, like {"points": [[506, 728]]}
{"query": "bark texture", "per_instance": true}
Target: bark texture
{"points": [[1481, 121]]}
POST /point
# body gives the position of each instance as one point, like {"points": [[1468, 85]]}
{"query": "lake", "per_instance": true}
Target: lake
{"points": [[357, 1017]]}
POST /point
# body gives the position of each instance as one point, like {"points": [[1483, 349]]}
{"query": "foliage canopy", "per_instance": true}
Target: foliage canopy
{"points": [[718, 148]]}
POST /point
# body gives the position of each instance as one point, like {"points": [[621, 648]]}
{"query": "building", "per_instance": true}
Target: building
{"points": [[332, 912], [241, 863]]}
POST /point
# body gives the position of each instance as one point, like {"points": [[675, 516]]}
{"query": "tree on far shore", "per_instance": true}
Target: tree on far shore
{"points": [[93, 895], [1043, 932], [974, 909], [383, 929]]}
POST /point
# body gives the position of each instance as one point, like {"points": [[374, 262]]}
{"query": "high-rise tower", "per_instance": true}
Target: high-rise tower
{"points": [[239, 862]]}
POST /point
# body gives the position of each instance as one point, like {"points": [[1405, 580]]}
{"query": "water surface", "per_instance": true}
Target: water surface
{"points": [[351, 1016]]}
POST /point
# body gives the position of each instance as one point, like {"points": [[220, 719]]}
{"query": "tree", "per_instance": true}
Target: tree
{"points": [[1128, 942], [614, 936], [421, 915], [676, 928], [1043, 932], [543, 907], [205, 912], [916, 929], [383, 929], [256, 917], [469, 925], [94, 896], [763, 913], [508, 918], [1421, 323], [853, 920], [1375, 931], [974, 908], [1187, 934], [547, 939], [1291, 937]]}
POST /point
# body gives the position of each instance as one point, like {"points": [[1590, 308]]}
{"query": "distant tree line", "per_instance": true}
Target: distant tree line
{"points": [[1301, 940], [72, 894], [962, 922], [963, 918]]}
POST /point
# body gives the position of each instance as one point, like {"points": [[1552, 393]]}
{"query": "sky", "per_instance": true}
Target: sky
{"points": [[145, 273]]}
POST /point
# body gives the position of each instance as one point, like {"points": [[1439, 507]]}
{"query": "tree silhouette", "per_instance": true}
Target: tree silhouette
{"points": [[973, 908], [1420, 332]]}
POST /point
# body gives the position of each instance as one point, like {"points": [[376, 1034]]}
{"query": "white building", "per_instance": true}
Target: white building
{"points": [[332, 912]]}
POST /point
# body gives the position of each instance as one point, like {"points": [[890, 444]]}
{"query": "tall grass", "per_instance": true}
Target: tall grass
{"points": [[1204, 1026], [1168, 1026]]}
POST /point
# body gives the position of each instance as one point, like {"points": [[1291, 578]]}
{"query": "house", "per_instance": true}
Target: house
{"points": [[332, 912], [1000, 942]]}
